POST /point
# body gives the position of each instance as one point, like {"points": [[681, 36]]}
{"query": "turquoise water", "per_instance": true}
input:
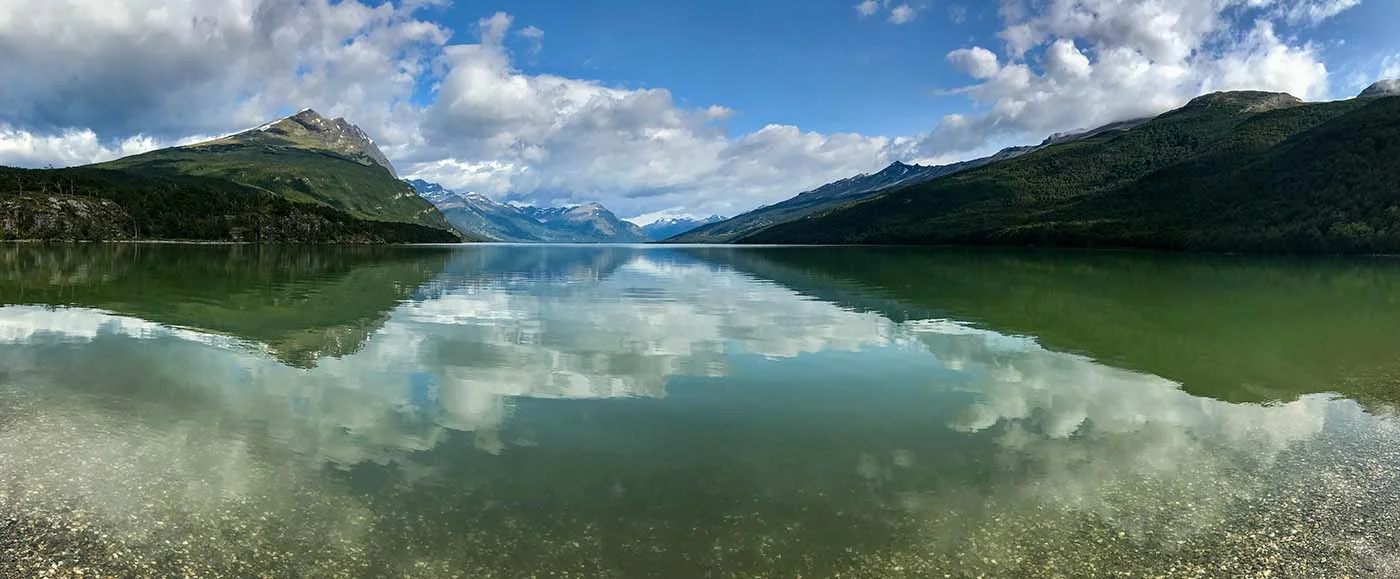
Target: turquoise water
{"points": [[549, 411]]}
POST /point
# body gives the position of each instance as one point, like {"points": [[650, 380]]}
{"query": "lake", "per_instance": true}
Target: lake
{"points": [[616, 411]]}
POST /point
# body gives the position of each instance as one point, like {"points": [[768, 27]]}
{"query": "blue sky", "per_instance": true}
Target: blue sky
{"points": [[655, 108], [818, 64], [811, 64]]}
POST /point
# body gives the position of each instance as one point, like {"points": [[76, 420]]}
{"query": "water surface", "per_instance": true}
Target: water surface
{"points": [[556, 411]]}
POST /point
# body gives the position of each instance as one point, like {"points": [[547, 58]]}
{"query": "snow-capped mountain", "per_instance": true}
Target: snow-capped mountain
{"points": [[481, 215], [662, 229]]}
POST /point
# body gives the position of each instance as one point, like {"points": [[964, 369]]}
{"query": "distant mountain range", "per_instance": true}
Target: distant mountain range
{"points": [[667, 228], [830, 195], [1232, 171], [479, 215]]}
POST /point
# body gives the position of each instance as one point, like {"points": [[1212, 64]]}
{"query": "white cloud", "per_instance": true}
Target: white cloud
{"points": [[73, 147], [1064, 60], [902, 14], [1390, 68], [898, 14], [1080, 63], [535, 36], [1316, 11], [977, 62], [179, 67], [548, 138]]}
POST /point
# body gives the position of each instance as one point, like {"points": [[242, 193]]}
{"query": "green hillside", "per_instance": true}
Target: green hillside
{"points": [[292, 170], [301, 179], [89, 203], [1247, 171]]}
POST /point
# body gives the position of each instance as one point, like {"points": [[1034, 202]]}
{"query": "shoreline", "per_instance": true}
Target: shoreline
{"points": [[671, 245]]}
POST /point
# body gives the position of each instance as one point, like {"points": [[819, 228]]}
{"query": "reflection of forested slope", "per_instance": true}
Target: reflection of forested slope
{"points": [[303, 303], [1232, 328]]}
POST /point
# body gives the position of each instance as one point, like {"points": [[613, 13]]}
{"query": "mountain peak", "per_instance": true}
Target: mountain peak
{"points": [[306, 114], [310, 130], [1246, 101], [1382, 88]]}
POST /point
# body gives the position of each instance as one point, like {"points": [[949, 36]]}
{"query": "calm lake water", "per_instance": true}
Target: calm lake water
{"points": [[548, 411]]}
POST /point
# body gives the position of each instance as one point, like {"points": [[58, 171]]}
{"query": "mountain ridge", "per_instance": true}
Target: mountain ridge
{"points": [[850, 189], [312, 130], [305, 158], [477, 214], [1241, 171], [663, 229]]}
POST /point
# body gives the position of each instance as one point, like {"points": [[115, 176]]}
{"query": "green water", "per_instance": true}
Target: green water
{"points": [[552, 411]]}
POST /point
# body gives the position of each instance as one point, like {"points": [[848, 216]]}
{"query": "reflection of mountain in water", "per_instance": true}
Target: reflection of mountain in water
{"points": [[499, 323], [502, 323], [593, 370], [300, 303], [1232, 328]]}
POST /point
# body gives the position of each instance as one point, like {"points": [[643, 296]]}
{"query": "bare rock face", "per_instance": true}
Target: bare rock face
{"points": [[1246, 101], [63, 218], [1385, 88], [311, 130]]}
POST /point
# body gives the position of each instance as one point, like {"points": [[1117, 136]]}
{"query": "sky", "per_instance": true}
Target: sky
{"points": [[655, 108]]}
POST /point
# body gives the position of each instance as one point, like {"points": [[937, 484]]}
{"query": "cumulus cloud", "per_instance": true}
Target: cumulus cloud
{"points": [[91, 81], [73, 147], [1080, 63], [174, 68], [977, 62], [546, 138]]}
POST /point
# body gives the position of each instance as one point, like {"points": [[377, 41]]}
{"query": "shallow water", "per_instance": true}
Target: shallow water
{"points": [[508, 411]]}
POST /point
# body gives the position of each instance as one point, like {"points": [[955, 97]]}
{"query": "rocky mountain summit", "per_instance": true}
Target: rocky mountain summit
{"points": [[1384, 88], [308, 129]]}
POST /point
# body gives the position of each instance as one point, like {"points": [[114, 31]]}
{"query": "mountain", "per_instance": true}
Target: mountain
{"points": [[1382, 89], [662, 229], [863, 186], [310, 130], [477, 214], [589, 222], [830, 195], [302, 179], [1235, 171], [305, 158]]}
